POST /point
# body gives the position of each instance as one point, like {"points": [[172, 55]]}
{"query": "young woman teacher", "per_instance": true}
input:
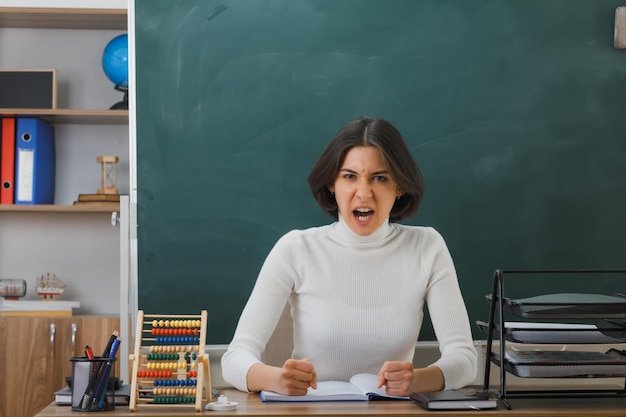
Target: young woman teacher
{"points": [[357, 287]]}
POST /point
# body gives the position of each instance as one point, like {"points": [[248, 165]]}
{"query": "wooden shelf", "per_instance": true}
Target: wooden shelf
{"points": [[63, 18], [73, 116], [57, 208]]}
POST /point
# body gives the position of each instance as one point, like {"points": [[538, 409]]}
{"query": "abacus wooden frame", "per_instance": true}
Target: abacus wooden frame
{"points": [[204, 374]]}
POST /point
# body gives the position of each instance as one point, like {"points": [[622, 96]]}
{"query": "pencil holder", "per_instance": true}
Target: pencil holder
{"points": [[91, 390]]}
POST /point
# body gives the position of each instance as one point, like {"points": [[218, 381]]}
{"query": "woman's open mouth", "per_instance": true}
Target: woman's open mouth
{"points": [[362, 215]]}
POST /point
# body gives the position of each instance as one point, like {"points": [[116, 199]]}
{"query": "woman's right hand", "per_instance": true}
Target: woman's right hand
{"points": [[293, 378], [296, 376]]}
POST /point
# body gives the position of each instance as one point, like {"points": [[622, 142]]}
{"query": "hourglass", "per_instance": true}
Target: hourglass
{"points": [[108, 174]]}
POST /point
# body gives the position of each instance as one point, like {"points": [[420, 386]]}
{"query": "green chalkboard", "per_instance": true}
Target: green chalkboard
{"points": [[514, 109]]}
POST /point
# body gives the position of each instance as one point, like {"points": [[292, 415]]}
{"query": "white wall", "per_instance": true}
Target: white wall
{"points": [[81, 248], [75, 54]]}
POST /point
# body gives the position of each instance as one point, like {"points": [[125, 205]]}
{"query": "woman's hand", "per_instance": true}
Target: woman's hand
{"points": [[296, 376], [397, 377], [400, 379], [293, 378]]}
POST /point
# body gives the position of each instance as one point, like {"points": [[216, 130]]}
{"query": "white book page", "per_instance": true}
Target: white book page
{"points": [[367, 384], [326, 391], [360, 387], [329, 388]]}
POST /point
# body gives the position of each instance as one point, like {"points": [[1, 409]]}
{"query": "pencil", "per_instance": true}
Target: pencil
{"points": [[107, 349]]}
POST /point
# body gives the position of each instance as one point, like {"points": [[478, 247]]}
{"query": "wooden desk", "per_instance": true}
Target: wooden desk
{"points": [[250, 405]]}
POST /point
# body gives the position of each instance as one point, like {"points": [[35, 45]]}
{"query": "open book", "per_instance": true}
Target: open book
{"points": [[362, 387]]}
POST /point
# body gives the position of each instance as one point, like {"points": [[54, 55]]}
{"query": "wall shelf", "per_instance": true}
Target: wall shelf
{"points": [[73, 116], [63, 18], [57, 208], [82, 243]]}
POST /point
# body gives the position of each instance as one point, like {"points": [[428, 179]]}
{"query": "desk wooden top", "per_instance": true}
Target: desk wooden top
{"points": [[251, 406]]}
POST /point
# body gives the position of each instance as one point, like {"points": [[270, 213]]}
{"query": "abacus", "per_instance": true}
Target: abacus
{"points": [[169, 363]]}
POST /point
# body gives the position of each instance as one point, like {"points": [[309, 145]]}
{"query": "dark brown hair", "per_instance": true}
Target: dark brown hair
{"points": [[379, 133]]}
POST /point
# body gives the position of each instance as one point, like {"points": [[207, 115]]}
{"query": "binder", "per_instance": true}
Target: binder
{"points": [[34, 162], [7, 160]]}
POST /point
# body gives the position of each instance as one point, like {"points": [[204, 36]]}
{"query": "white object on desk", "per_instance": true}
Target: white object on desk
{"points": [[222, 404]]}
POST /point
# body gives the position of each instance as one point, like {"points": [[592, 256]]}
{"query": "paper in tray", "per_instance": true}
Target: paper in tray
{"points": [[566, 364], [613, 328], [554, 333], [572, 305]]}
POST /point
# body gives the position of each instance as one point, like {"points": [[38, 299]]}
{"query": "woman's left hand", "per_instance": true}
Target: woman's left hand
{"points": [[397, 377]]}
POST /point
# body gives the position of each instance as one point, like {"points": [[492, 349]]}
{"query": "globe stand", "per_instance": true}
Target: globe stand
{"points": [[121, 105]]}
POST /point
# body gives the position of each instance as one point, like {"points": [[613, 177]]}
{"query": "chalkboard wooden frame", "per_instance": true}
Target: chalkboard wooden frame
{"points": [[513, 109]]}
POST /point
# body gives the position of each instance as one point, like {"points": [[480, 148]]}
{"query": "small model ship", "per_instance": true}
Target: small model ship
{"points": [[49, 287]]}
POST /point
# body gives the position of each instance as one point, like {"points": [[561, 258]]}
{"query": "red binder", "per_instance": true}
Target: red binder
{"points": [[7, 161]]}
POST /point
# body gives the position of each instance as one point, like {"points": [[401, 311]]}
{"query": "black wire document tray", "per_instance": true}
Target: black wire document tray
{"points": [[556, 333], [566, 364], [571, 305], [551, 319]]}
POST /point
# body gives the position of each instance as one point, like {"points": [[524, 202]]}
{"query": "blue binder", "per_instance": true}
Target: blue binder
{"points": [[34, 162]]}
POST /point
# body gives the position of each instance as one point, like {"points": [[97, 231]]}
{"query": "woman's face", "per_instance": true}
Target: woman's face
{"points": [[364, 190]]}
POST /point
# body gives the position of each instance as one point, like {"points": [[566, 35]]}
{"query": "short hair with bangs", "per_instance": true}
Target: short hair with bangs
{"points": [[382, 135]]}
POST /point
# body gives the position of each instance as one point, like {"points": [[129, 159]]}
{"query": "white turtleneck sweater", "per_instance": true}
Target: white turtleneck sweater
{"points": [[356, 302]]}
